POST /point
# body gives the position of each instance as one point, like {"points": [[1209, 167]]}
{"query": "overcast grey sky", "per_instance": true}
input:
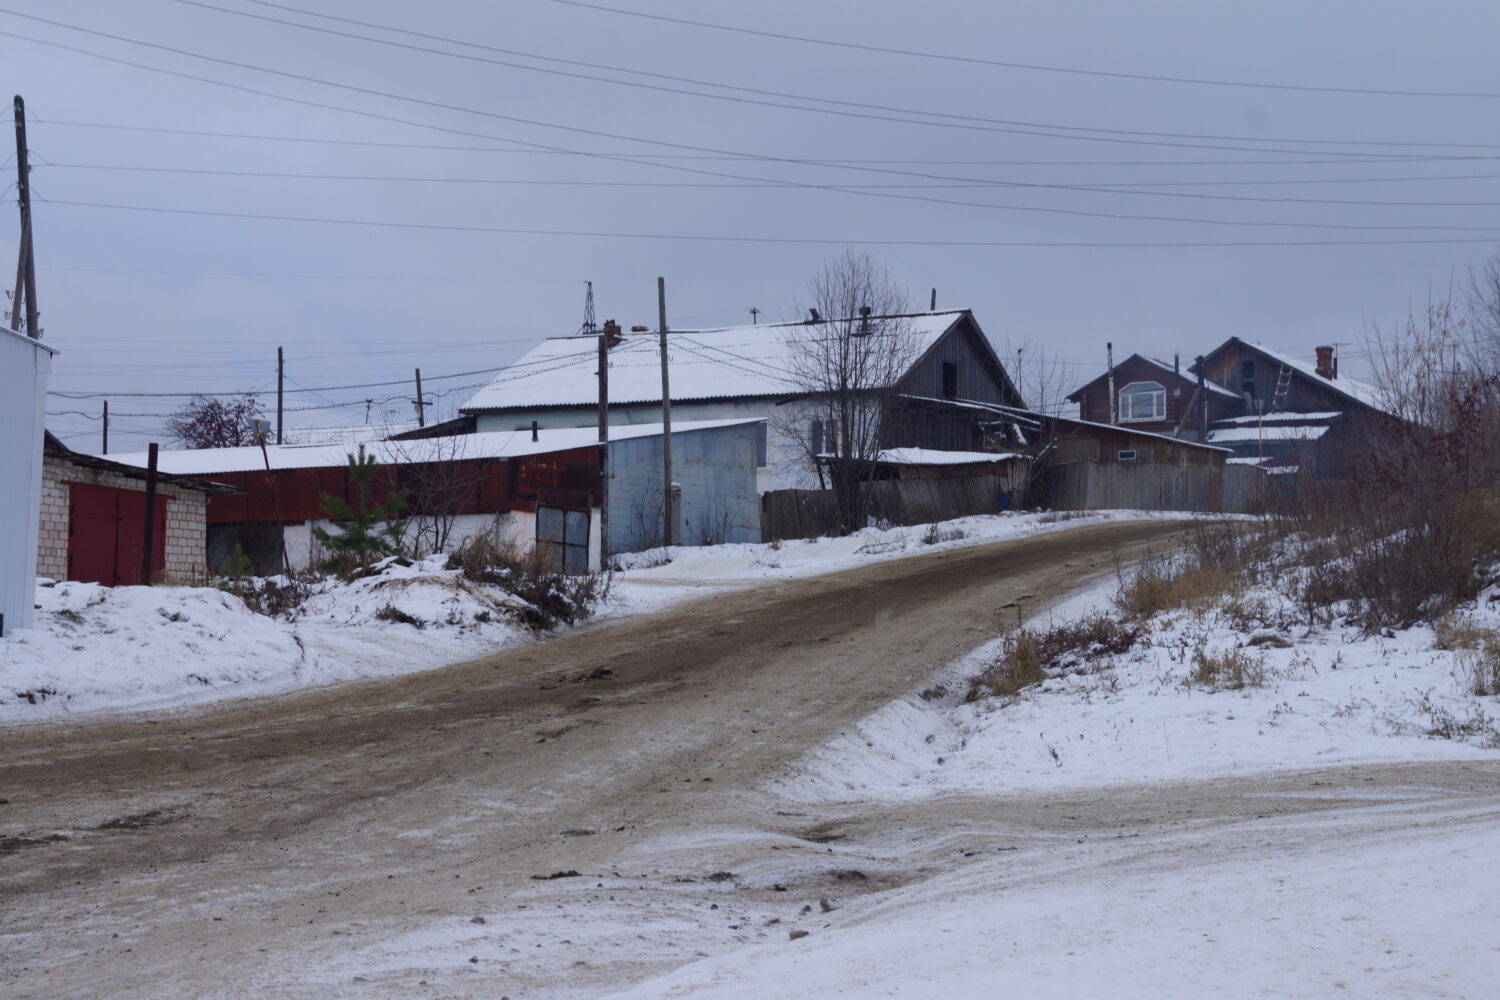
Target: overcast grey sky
{"points": [[159, 301]]}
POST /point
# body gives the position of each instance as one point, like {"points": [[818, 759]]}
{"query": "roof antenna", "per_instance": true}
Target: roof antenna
{"points": [[754, 316], [589, 327]]}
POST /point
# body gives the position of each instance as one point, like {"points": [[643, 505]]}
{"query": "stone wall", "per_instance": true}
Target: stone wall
{"points": [[185, 518]]}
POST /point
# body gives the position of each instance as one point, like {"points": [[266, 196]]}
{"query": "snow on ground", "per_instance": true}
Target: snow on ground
{"points": [[98, 648], [1331, 696], [1381, 902]]}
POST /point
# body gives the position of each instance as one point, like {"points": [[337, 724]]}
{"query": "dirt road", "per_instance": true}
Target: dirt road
{"points": [[372, 838]]}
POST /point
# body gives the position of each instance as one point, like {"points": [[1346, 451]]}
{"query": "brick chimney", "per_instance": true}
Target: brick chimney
{"points": [[1325, 363], [612, 335]]}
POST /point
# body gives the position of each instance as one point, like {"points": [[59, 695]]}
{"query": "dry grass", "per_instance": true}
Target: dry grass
{"points": [[1454, 631], [551, 598], [1480, 667], [1232, 670], [1156, 586], [1029, 653]]}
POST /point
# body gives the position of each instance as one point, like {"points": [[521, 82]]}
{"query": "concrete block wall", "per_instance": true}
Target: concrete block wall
{"points": [[186, 525]]}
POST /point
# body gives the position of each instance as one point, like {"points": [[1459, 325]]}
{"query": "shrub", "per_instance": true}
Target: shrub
{"points": [[550, 598], [936, 534], [1028, 654], [1227, 671], [391, 613], [274, 597]]}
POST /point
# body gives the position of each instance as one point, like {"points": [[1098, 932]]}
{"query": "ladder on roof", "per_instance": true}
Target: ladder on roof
{"points": [[1283, 386]]}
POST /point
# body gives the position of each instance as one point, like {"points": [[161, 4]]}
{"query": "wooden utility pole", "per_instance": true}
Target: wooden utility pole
{"points": [[1114, 404], [666, 417], [104, 449], [603, 443], [1202, 404], [421, 405], [932, 307], [26, 266], [280, 377], [149, 539]]}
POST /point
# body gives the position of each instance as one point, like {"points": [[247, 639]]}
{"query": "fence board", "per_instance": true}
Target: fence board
{"points": [[811, 513], [1088, 485]]}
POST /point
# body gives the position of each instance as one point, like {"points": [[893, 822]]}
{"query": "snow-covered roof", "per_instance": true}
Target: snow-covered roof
{"points": [[491, 444], [350, 435], [1280, 418], [931, 456], [733, 362], [1275, 432], [1209, 384], [1360, 392]]}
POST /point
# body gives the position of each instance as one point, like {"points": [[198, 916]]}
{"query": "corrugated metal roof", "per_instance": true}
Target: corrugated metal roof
{"points": [[459, 447], [733, 362]]}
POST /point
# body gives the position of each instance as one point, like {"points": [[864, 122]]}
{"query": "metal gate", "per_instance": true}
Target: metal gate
{"points": [[562, 540], [105, 534]]}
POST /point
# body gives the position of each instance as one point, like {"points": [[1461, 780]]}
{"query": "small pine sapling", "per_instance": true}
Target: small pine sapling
{"points": [[367, 530]]}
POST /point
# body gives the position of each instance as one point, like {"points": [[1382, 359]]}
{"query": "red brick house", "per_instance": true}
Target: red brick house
{"points": [[1152, 395]]}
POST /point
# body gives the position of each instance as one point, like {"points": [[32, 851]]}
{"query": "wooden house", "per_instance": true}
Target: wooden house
{"points": [[1152, 395]]}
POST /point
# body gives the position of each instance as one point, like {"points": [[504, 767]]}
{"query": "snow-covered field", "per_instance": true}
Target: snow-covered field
{"points": [[156, 648]]}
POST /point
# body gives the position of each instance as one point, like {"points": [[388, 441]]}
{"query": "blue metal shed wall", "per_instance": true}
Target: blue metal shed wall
{"points": [[24, 365], [716, 469]]}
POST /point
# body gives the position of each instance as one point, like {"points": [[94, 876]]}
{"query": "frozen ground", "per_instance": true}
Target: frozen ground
{"points": [[153, 648]]}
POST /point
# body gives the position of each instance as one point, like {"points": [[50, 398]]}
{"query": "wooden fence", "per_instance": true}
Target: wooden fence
{"points": [[1233, 489], [811, 513]]}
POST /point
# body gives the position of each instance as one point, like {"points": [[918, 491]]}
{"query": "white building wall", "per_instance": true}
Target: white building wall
{"points": [[514, 527], [24, 366]]}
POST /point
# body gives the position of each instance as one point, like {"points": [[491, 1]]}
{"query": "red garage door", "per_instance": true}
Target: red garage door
{"points": [[106, 529]]}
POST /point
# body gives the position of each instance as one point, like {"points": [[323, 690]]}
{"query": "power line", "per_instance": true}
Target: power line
{"points": [[824, 241], [626, 159], [1033, 67], [741, 157], [1125, 189], [969, 122]]}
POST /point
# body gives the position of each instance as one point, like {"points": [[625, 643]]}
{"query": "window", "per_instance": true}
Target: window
{"points": [[1125, 455], [1247, 377], [1143, 401], [950, 379]]}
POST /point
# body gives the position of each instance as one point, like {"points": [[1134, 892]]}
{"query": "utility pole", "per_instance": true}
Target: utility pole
{"points": [[932, 307], [754, 314], [1202, 404], [280, 377], [26, 265], [149, 541], [421, 405], [1109, 360], [104, 450], [666, 417]]}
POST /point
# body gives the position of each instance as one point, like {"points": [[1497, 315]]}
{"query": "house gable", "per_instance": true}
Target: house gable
{"points": [[1252, 370], [961, 364]]}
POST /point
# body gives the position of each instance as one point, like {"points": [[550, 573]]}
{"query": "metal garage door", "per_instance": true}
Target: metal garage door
{"points": [[106, 529], [562, 540]]}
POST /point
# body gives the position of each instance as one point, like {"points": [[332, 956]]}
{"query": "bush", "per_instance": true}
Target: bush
{"points": [[274, 597], [550, 598], [1227, 671], [1028, 654]]}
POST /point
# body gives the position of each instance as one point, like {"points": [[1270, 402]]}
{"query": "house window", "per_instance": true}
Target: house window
{"points": [[1247, 377], [1143, 401], [1125, 455], [950, 379]]}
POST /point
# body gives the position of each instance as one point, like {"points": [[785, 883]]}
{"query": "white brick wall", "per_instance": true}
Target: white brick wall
{"points": [[186, 530]]}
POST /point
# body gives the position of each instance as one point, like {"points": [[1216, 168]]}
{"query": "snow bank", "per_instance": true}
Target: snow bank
{"points": [[1331, 696]]}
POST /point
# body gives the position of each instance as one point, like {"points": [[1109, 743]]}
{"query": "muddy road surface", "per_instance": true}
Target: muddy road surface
{"points": [[510, 826]]}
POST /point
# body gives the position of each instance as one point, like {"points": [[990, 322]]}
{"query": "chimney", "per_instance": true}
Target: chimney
{"points": [[612, 335], [813, 317], [864, 321], [533, 430], [1325, 363]]}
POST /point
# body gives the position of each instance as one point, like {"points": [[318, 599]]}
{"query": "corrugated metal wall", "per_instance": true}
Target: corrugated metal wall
{"points": [[716, 469], [24, 366]]}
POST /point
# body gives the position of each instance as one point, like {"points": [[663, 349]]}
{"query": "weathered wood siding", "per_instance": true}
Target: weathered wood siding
{"points": [[1093, 398], [1232, 489], [977, 376], [811, 513]]}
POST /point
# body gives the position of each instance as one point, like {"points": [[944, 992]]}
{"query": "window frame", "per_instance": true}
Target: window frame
{"points": [[1158, 394]]}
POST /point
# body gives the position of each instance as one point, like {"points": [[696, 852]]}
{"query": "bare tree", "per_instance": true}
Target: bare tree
{"points": [[211, 422], [1039, 375], [441, 481], [846, 360]]}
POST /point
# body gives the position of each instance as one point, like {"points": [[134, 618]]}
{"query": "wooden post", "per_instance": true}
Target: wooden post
{"points": [[1114, 404], [150, 534], [1202, 404], [421, 406], [104, 450], [604, 446], [932, 307], [280, 375], [666, 417]]}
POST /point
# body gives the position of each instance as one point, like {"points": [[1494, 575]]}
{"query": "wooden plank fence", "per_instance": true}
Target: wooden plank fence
{"points": [[1233, 489]]}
